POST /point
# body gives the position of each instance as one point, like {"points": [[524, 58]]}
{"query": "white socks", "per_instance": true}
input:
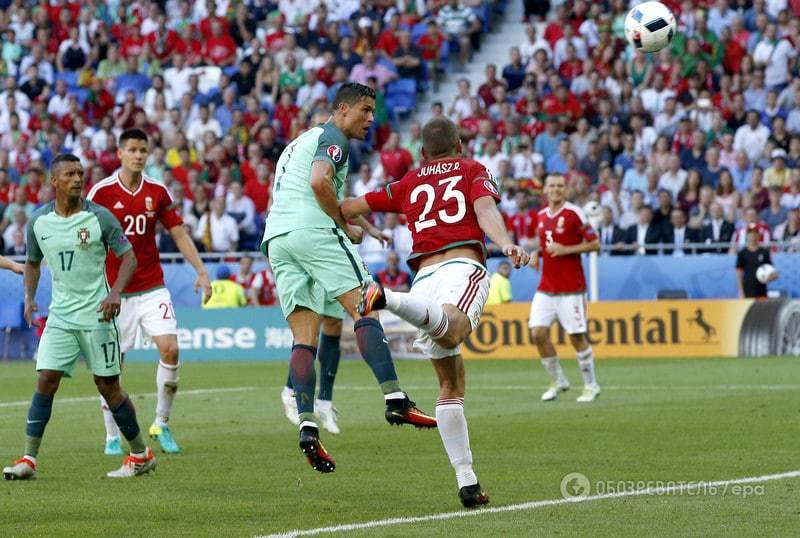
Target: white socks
{"points": [[553, 367], [167, 382], [454, 434], [112, 430], [426, 315], [586, 364]]}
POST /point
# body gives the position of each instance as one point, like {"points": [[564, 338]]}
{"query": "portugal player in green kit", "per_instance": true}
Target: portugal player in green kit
{"points": [[318, 271], [74, 235]]}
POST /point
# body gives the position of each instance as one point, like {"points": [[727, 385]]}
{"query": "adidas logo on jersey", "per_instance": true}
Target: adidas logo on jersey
{"points": [[118, 205]]}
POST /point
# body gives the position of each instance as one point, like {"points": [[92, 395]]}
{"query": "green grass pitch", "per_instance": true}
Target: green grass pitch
{"points": [[242, 474]]}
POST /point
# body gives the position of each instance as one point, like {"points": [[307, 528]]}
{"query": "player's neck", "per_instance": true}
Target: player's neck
{"points": [[130, 180], [67, 206], [555, 206]]}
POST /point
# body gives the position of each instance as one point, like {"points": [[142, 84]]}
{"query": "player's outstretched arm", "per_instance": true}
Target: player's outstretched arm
{"points": [[557, 249], [354, 207], [189, 251], [491, 222], [33, 270], [111, 304], [10, 265], [324, 192]]}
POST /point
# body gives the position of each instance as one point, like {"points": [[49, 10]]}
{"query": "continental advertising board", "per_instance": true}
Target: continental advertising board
{"points": [[651, 329]]}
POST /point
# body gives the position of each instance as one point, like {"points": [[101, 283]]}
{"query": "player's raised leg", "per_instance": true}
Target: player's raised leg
{"points": [[38, 417], [167, 378], [374, 349]]}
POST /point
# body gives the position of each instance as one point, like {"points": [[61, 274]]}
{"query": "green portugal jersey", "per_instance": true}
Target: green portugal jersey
{"points": [[294, 205], [75, 248]]}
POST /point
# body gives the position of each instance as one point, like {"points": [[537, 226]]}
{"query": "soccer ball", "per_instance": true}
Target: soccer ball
{"points": [[593, 212], [650, 26], [765, 272]]}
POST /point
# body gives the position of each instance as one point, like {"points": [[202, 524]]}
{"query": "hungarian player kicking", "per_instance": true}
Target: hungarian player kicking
{"points": [[139, 202], [74, 235], [565, 234], [450, 203]]}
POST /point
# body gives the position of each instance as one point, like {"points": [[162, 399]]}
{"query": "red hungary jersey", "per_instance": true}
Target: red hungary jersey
{"points": [[567, 226], [138, 212], [437, 199]]}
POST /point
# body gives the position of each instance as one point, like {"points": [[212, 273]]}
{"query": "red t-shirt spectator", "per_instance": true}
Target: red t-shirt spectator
{"points": [[395, 281], [205, 26], [388, 42], [192, 50], [275, 40], [219, 50], [284, 117], [258, 192], [181, 174], [164, 45], [396, 163], [569, 107], [523, 225], [132, 46], [430, 47]]}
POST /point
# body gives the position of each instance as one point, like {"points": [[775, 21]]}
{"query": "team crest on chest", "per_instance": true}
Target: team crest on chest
{"points": [[148, 205], [560, 225], [83, 237]]}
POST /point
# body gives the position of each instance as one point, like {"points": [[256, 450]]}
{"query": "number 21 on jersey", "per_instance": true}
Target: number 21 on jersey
{"points": [[423, 222]]}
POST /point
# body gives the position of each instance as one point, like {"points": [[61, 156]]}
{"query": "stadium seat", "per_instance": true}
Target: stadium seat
{"points": [[672, 294], [401, 96], [70, 77], [11, 318]]}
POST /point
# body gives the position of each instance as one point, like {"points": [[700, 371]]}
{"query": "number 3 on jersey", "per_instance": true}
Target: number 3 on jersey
{"points": [[548, 238], [423, 222]]}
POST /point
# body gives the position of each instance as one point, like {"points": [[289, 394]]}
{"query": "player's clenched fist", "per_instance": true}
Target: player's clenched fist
{"points": [[30, 308], [354, 233], [556, 249], [516, 255]]}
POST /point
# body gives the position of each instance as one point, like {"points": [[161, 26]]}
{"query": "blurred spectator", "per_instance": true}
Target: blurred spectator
{"points": [[242, 209], [639, 236], [789, 231], [396, 160], [718, 229], [751, 137], [17, 224], [500, 285], [364, 183], [677, 235], [17, 247], [462, 28], [406, 57], [369, 67], [777, 175], [611, 236], [749, 222], [775, 214], [393, 277], [635, 178], [227, 293], [217, 231]]}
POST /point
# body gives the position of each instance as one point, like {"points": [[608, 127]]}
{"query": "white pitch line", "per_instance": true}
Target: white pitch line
{"points": [[531, 505], [79, 399], [475, 388]]}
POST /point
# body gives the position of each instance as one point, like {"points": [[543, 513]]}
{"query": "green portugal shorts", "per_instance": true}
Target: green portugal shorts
{"points": [[59, 350], [313, 266]]}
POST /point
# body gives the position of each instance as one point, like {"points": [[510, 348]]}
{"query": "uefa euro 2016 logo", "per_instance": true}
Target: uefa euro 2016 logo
{"points": [[83, 237]]}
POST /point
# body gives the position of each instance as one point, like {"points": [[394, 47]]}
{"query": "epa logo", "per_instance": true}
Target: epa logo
{"points": [[575, 486]]}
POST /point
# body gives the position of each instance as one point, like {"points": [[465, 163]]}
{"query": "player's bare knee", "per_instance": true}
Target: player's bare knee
{"points": [[540, 335], [331, 326], [170, 353], [109, 388], [579, 341], [48, 382]]}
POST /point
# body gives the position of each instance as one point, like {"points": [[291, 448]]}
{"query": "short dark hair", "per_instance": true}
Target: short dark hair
{"points": [[63, 158], [351, 93], [131, 134], [439, 137]]}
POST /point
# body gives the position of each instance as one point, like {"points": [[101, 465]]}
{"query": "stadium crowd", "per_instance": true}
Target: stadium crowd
{"points": [[687, 146]]}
